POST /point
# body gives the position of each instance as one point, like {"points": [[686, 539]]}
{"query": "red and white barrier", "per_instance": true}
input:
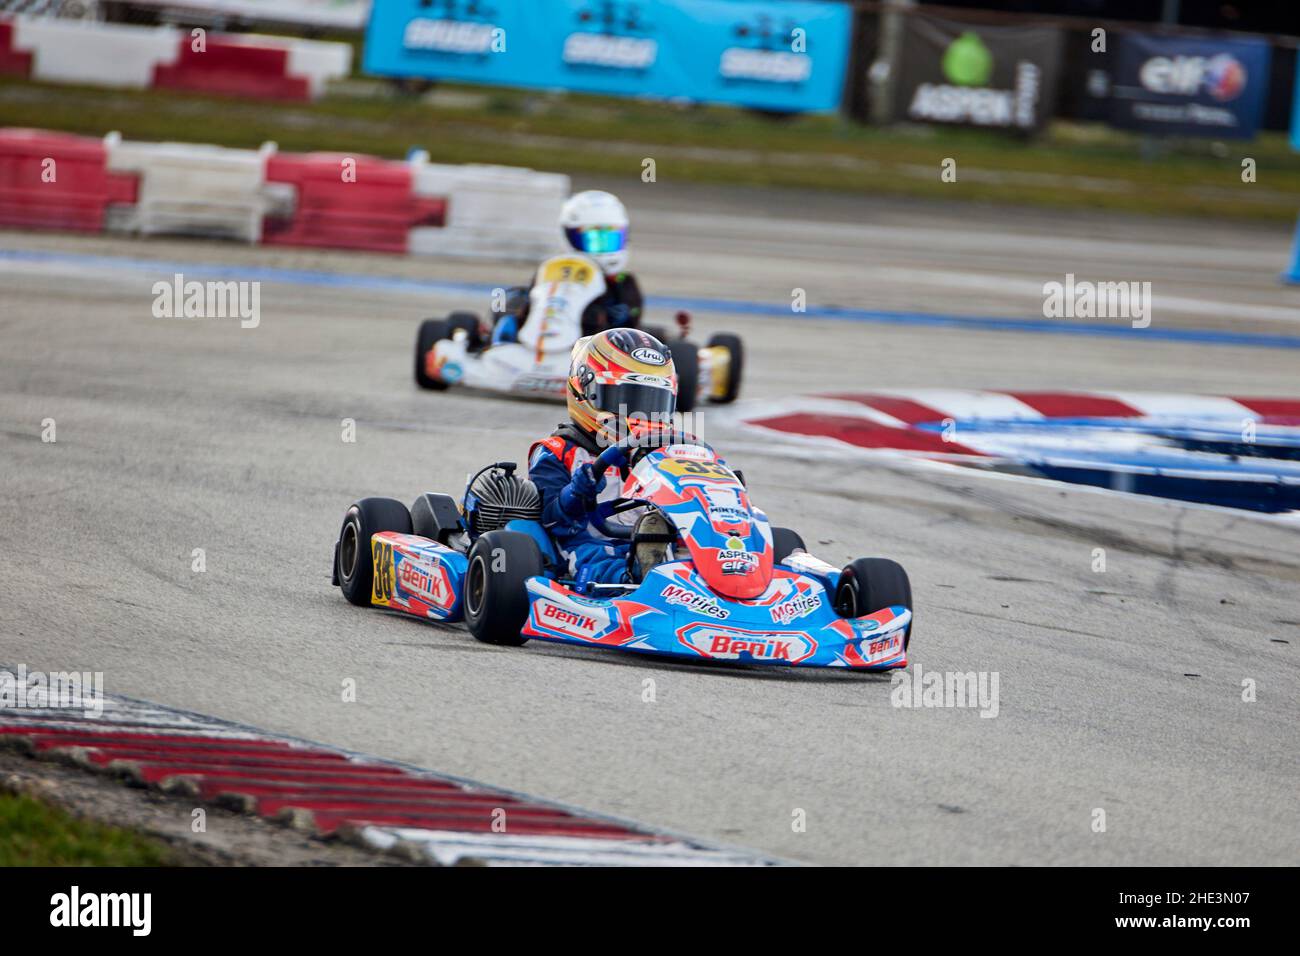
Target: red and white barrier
{"points": [[318, 199], [138, 57], [58, 181], [349, 202], [330, 792]]}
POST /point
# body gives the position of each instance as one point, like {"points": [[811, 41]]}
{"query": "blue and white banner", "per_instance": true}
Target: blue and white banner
{"points": [[1295, 108], [785, 55], [1190, 87]]}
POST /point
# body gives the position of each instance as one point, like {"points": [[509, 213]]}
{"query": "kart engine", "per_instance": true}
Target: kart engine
{"points": [[497, 496]]}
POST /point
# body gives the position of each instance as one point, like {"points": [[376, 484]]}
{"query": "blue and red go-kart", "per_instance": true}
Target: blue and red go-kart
{"points": [[711, 579]]}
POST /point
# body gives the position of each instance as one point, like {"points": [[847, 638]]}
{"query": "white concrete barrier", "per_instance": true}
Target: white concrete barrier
{"points": [[189, 189], [493, 211]]}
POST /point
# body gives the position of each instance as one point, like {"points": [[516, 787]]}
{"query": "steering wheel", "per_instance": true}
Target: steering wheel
{"points": [[620, 456]]}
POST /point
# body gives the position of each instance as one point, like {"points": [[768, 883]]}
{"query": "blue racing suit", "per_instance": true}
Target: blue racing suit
{"points": [[555, 466]]}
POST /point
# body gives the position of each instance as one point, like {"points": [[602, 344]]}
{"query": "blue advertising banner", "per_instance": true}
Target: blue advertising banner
{"points": [[1190, 87], [785, 55], [1295, 108]]}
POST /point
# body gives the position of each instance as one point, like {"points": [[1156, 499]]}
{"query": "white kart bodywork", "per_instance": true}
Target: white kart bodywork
{"points": [[538, 363]]}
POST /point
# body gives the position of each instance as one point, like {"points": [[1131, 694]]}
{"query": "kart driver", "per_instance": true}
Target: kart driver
{"points": [[595, 224], [621, 384]]}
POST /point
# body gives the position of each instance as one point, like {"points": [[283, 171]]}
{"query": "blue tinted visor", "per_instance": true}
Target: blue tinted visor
{"points": [[597, 239]]}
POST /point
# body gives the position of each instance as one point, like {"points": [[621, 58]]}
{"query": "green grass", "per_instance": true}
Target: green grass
{"points": [[1070, 166], [35, 834]]}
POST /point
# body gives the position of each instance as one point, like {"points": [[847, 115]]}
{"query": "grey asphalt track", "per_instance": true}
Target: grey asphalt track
{"points": [[1119, 691]]}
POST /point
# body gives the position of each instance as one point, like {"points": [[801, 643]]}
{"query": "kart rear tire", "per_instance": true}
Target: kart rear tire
{"points": [[496, 601], [686, 360], [433, 331], [871, 584], [784, 543], [735, 368], [354, 568]]}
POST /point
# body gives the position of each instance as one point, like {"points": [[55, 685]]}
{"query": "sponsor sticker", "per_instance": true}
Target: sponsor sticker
{"points": [[801, 605], [694, 601], [426, 583], [722, 643], [575, 623], [649, 356]]}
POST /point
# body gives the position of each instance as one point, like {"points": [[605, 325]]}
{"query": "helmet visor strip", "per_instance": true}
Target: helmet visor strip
{"points": [[651, 403], [597, 239]]}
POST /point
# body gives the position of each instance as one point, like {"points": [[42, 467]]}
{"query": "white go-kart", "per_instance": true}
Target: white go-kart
{"points": [[459, 351]]}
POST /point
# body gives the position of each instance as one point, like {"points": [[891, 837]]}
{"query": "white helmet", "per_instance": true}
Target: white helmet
{"points": [[595, 223]]}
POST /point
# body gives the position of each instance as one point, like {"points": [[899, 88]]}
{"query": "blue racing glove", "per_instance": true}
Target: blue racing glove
{"points": [[579, 495]]}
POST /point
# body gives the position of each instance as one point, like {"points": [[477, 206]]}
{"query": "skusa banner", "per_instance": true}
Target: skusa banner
{"points": [[1190, 87], [994, 77], [1295, 109], [785, 56]]}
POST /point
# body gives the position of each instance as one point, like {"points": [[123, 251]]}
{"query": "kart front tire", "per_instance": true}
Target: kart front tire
{"points": [[354, 567], [784, 543], [433, 331], [871, 584], [686, 360], [496, 598], [735, 367]]}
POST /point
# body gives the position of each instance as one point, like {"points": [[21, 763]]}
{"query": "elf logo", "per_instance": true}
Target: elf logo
{"points": [[75, 909], [1222, 77]]}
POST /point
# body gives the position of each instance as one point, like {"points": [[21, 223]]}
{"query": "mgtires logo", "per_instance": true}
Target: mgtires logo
{"points": [[699, 603], [799, 606]]}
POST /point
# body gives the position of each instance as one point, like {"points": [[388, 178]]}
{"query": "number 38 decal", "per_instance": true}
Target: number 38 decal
{"points": [[383, 589]]}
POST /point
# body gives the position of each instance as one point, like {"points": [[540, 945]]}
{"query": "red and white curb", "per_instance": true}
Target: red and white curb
{"points": [[330, 791], [911, 420]]}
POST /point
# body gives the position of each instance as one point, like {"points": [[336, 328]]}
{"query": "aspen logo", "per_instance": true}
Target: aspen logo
{"points": [[75, 909], [429, 584], [728, 644], [570, 622]]}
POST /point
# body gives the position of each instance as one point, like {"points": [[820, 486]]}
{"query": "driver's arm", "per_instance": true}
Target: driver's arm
{"points": [[567, 499]]}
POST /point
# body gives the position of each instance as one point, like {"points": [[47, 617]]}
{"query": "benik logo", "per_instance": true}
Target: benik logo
{"points": [[75, 909]]}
